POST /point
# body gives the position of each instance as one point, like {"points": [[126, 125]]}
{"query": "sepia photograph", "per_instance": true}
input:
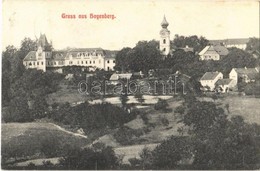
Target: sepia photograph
{"points": [[130, 85]]}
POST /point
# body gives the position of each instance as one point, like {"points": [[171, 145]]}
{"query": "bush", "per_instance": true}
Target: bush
{"points": [[125, 135], [164, 121], [161, 105]]}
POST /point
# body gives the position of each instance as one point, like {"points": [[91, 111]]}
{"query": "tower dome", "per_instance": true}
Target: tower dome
{"points": [[164, 23]]}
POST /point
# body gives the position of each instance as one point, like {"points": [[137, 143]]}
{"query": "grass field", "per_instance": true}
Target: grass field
{"points": [[246, 106], [31, 140]]}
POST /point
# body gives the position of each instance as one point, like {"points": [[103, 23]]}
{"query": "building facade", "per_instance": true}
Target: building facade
{"points": [[209, 79], [165, 38], [45, 57], [215, 52]]}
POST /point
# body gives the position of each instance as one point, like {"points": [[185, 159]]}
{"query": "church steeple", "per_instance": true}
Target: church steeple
{"points": [[164, 37], [164, 23]]}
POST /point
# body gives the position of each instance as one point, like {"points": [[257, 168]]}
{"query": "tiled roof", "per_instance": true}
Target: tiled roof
{"points": [[216, 49], [250, 72], [31, 56], [63, 54], [224, 81], [221, 50], [210, 75]]}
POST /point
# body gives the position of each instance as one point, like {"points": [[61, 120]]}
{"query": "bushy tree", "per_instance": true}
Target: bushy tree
{"points": [[90, 159]]}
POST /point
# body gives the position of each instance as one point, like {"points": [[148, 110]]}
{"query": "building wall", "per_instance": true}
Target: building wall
{"points": [[211, 83], [234, 76], [240, 46], [165, 43], [210, 56]]}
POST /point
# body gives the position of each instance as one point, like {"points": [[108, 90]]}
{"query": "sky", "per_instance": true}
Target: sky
{"points": [[135, 20]]}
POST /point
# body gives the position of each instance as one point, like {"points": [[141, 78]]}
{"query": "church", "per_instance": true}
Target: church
{"points": [[45, 58]]}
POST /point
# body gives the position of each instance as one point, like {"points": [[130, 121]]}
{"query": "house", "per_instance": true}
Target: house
{"points": [[228, 43], [224, 85], [243, 74], [213, 52], [209, 79], [45, 58], [116, 77]]}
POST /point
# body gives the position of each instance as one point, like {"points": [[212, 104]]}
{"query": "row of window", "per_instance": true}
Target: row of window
{"points": [[62, 62], [33, 63], [88, 54]]}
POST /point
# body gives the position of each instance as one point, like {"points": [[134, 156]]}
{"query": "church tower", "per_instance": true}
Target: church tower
{"points": [[165, 38], [43, 52]]}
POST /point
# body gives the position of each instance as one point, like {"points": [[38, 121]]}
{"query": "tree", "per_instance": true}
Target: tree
{"points": [[253, 44], [90, 159], [143, 57], [198, 43], [121, 59], [170, 152]]}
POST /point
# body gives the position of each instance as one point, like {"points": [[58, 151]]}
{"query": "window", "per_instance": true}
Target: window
{"points": [[164, 41], [81, 62], [86, 62], [70, 62], [99, 61], [108, 61], [54, 63], [108, 68], [33, 63], [78, 62], [90, 62], [114, 61], [164, 49], [93, 62], [42, 63], [37, 63]]}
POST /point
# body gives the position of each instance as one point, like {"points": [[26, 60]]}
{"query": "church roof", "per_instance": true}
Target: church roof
{"points": [[164, 23]]}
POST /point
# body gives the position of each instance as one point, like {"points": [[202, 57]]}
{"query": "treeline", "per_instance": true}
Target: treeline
{"points": [[146, 55]]}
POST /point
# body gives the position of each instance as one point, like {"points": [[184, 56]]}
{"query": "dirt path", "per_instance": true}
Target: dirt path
{"points": [[69, 132]]}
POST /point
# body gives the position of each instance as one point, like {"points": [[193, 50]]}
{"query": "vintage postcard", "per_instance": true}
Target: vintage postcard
{"points": [[130, 85]]}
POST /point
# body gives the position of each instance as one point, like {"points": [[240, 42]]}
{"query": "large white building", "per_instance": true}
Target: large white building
{"points": [[45, 58]]}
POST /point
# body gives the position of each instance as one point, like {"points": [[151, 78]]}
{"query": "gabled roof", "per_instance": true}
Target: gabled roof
{"points": [[210, 75], [250, 72], [223, 81], [31, 56], [217, 49]]}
